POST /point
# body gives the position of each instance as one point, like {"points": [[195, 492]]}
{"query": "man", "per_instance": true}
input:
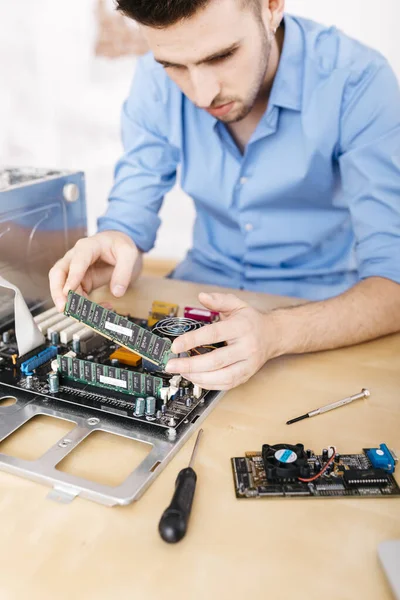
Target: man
{"points": [[288, 139]]}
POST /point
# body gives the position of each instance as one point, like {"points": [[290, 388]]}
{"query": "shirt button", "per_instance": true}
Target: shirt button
{"points": [[243, 180], [249, 227]]}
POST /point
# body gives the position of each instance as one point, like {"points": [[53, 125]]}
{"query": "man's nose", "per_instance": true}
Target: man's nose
{"points": [[205, 87]]}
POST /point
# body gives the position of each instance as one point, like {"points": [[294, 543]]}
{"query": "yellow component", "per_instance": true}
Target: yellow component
{"points": [[161, 310], [14, 359], [126, 357]]}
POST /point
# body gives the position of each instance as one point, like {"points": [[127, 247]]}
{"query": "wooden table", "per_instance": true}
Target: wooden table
{"points": [[279, 549]]}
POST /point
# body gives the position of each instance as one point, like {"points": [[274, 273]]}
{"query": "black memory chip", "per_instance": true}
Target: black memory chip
{"points": [[64, 365], [110, 318], [88, 371], [73, 305], [86, 308], [75, 368], [111, 372], [145, 342], [366, 477], [135, 333], [124, 376], [137, 383], [97, 315], [99, 372], [122, 337], [158, 348], [149, 385]]}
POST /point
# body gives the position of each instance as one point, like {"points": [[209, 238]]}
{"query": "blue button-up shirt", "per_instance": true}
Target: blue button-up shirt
{"points": [[313, 204]]}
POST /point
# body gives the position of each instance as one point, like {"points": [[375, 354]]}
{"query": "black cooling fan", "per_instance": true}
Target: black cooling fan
{"points": [[283, 462]]}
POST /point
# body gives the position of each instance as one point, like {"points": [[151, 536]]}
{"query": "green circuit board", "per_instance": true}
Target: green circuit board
{"points": [[119, 329]]}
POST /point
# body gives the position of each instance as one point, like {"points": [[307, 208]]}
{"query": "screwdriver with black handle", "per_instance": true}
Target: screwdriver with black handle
{"points": [[174, 521]]}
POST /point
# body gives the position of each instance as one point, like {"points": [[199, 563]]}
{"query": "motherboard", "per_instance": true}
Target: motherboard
{"points": [[285, 470], [104, 361]]}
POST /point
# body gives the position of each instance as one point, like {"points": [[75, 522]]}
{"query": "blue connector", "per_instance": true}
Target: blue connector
{"points": [[33, 363], [382, 458]]}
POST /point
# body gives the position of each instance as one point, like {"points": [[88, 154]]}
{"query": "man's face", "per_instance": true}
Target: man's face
{"points": [[218, 57]]}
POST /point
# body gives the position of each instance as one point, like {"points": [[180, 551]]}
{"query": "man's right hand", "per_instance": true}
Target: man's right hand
{"points": [[107, 257]]}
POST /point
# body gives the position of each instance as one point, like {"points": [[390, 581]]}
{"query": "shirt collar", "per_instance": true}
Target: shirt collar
{"points": [[287, 89]]}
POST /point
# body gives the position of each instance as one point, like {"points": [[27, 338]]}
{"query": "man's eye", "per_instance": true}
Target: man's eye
{"points": [[221, 58]]}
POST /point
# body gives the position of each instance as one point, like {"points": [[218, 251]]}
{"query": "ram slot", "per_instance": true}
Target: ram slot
{"points": [[45, 315], [58, 327], [44, 325], [66, 334]]}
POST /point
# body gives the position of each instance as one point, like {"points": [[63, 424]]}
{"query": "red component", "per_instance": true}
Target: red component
{"points": [[201, 314]]}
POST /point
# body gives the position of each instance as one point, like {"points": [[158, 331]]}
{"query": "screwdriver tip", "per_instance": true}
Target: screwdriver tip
{"points": [[297, 419]]}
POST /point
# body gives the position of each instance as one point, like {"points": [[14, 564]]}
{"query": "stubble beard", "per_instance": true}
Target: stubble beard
{"points": [[245, 107]]}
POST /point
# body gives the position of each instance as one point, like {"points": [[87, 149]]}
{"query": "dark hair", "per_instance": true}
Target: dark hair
{"points": [[160, 13]]}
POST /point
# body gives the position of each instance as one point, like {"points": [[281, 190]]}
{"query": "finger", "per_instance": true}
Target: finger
{"points": [[224, 303], [81, 291], [96, 276], [85, 254], [57, 278], [224, 379], [222, 331], [125, 259], [212, 361]]}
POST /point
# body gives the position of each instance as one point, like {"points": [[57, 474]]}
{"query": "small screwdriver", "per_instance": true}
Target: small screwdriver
{"points": [[174, 521]]}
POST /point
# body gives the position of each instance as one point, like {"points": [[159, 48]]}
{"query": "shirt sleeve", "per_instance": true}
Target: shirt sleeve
{"points": [[147, 170], [370, 168]]}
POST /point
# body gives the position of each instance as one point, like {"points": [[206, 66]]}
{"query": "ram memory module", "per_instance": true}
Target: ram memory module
{"points": [[110, 378], [118, 329]]}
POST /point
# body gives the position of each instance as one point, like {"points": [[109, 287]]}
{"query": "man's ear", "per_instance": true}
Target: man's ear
{"points": [[272, 13]]}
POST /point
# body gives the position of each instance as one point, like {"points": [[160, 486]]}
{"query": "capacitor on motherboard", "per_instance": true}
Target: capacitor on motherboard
{"points": [[29, 382], [159, 414], [76, 346], [54, 383], [197, 391], [164, 409], [115, 362], [6, 337], [188, 402], [164, 394], [55, 338], [150, 406], [324, 454], [140, 407]]}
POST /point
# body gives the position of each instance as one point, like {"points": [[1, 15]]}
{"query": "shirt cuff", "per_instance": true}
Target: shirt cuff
{"points": [[144, 242]]}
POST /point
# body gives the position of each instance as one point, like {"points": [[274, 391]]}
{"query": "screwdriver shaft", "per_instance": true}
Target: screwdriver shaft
{"points": [[195, 448]]}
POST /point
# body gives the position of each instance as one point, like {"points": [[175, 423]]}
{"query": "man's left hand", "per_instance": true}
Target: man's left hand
{"points": [[250, 341]]}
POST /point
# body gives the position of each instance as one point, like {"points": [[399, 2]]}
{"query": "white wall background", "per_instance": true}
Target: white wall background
{"points": [[60, 105]]}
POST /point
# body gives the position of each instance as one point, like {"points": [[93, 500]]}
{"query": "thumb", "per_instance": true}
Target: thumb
{"points": [[125, 259], [223, 303]]}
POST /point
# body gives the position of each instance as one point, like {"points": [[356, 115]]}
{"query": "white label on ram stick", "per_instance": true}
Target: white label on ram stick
{"points": [[118, 329], [113, 381]]}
